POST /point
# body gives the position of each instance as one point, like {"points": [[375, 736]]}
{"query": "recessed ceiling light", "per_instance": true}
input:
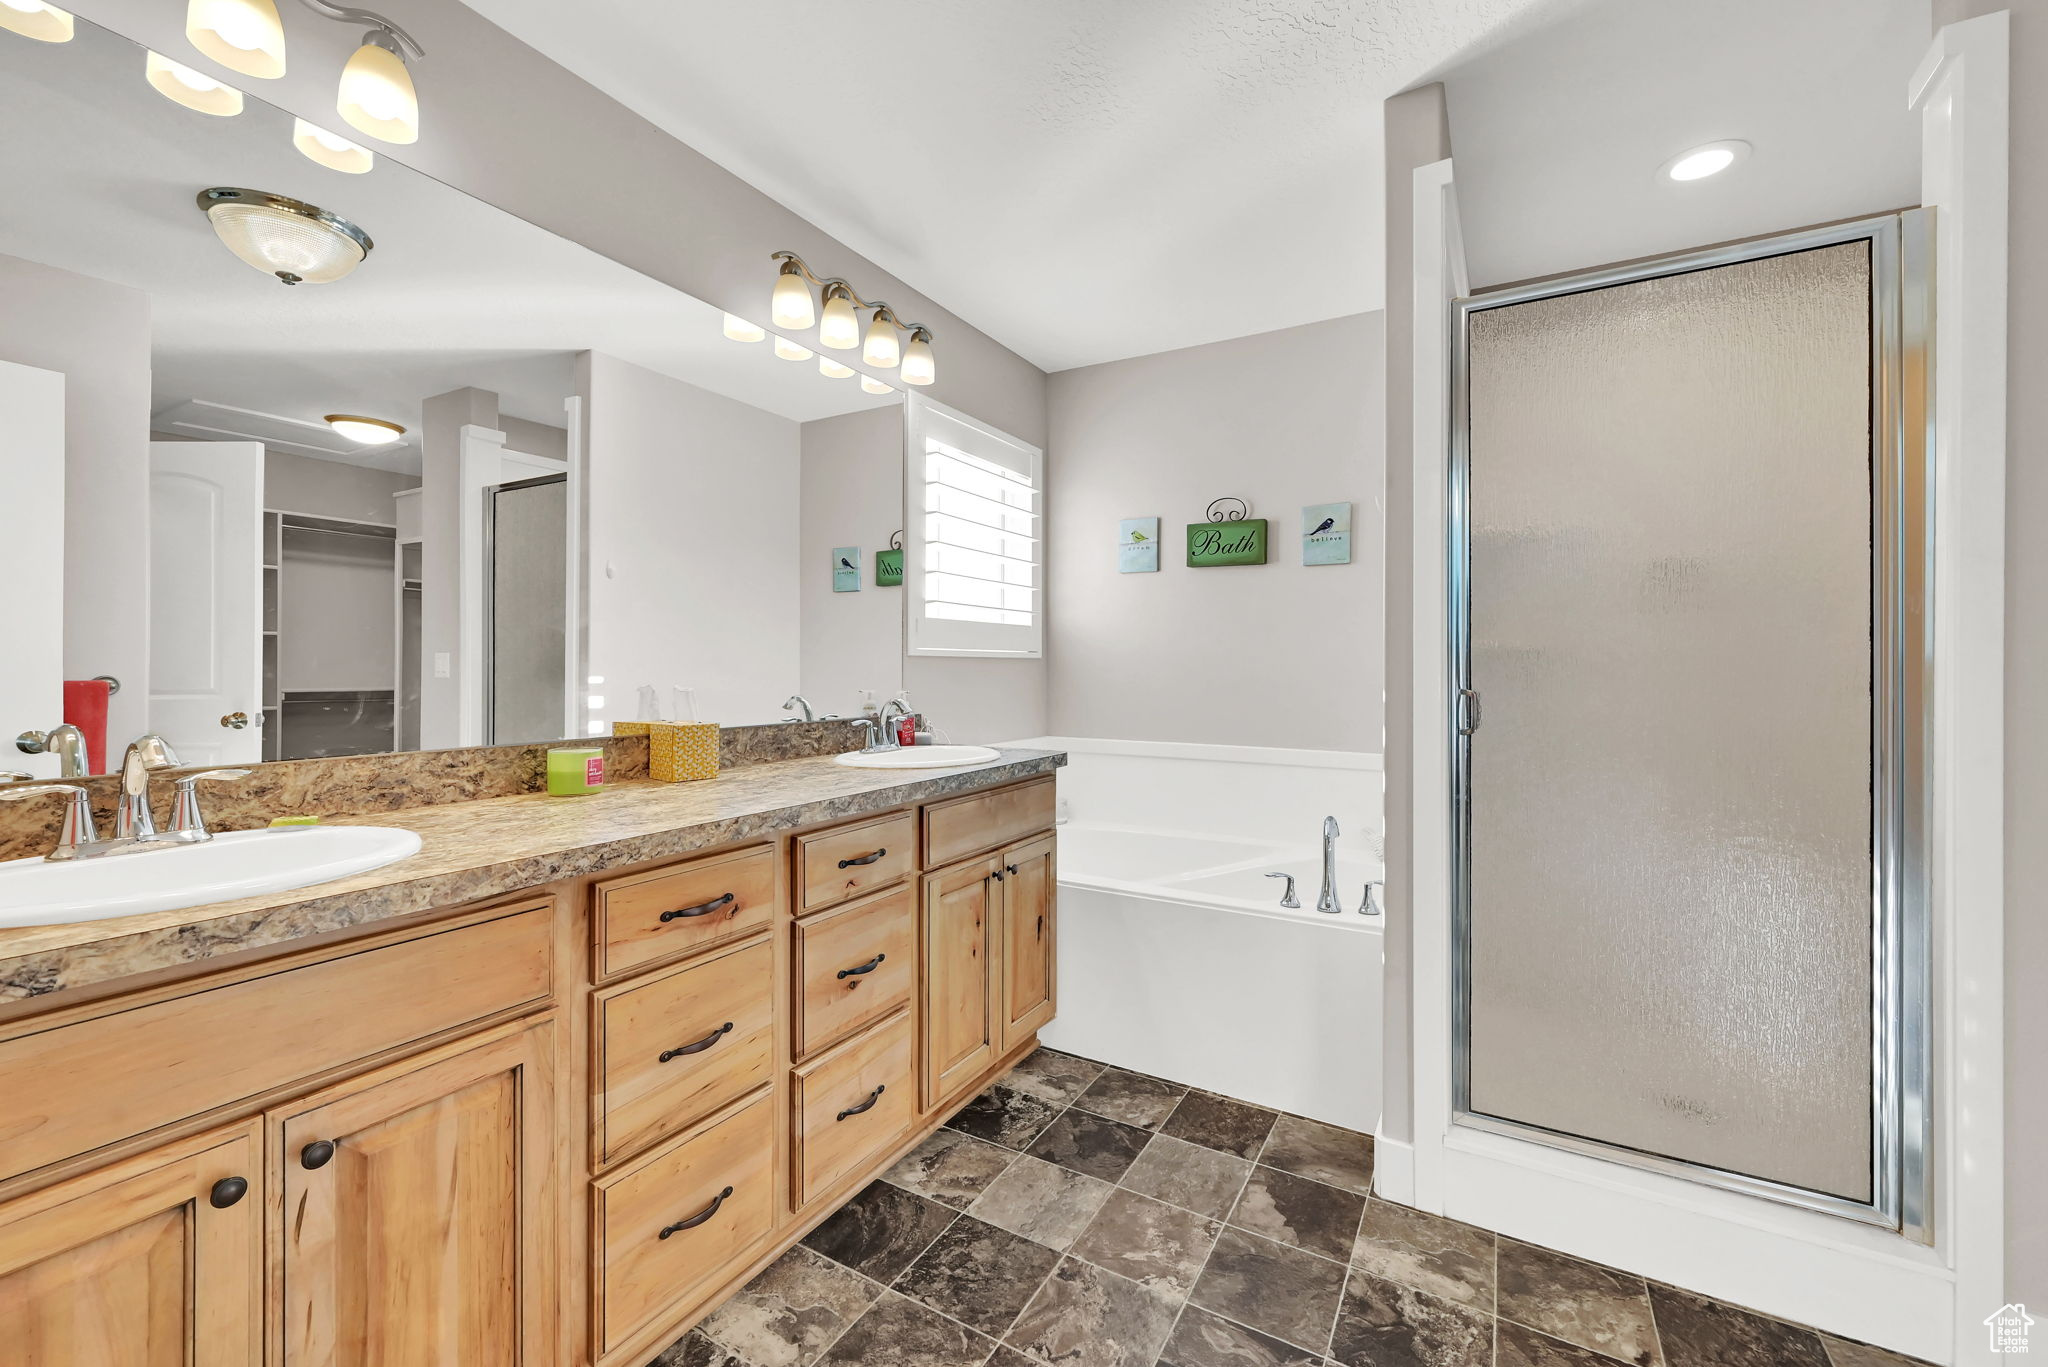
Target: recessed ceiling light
{"points": [[365, 431], [1708, 159]]}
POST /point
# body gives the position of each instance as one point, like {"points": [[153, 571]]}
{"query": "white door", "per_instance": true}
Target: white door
{"points": [[206, 599], [31, 556]]}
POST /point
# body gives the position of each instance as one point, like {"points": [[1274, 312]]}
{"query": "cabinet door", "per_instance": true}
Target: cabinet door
{"points": [[418, 1227], [961, 1028], [152, 1262], [1030, 896]]}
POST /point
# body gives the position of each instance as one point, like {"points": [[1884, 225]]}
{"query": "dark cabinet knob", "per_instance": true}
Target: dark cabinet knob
{"points": [[227, 1191], [317, 1154]]}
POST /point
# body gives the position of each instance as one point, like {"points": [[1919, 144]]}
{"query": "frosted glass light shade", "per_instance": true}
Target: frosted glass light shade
{"points": [[32, 19], [832, 370], [365, 431], [740, 330], [195, 90], [331, 150], [242, 35], [791, 305], [294, 241], [377, 96], [874, 386], [919, 365], [840, 326], [884, 348], [790, 351]]}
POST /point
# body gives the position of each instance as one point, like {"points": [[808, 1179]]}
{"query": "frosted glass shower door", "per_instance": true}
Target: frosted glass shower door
{"points": [[1673, 776]]}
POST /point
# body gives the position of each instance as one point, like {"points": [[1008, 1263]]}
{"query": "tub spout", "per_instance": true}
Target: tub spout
{"points": [[1327, 902]]}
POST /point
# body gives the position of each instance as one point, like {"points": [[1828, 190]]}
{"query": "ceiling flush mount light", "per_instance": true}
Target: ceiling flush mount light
{"points": [[195, 90], [1708, 159], [365, 431], [242, 35], [840, 326], [331, 150], [33, 19], [740, 330], [790, 351], [292, 240]]}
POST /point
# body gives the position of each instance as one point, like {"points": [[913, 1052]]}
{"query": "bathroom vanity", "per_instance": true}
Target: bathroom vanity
{"points": [[544, 1093]]}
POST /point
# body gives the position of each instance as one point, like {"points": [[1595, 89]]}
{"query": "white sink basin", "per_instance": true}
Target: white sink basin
{"points": [[39, 892], [919, 757]]}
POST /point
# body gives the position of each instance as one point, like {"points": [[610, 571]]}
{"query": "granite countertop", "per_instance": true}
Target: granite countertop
{"points": [[474, 850]]}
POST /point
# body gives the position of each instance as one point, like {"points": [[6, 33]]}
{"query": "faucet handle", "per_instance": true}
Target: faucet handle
{"points": [[188, 823], [1370, 906], [78, 829], [1287, 897]]}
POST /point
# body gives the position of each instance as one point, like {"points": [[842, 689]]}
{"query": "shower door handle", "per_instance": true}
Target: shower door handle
{"points": [[1468, 711]]}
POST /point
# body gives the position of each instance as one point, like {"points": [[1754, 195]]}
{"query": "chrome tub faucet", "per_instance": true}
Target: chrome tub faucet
{"points": [[1327, 902]]}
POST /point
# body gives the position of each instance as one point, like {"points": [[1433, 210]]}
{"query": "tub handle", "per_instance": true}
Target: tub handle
{"points": [[1287, 898], [863, 858]]}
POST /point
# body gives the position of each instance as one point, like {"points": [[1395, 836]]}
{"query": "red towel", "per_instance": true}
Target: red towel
{"points": [[85, 707]]}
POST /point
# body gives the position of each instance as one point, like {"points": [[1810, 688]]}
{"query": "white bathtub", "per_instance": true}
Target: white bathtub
{"points": [[1175, 955]]}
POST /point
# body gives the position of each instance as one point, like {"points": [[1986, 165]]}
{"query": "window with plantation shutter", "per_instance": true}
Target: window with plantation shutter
{"points": [[975, 563]]}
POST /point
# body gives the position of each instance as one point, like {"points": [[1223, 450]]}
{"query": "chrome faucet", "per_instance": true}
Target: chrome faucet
{"points": [[78, 837], [1328, 902], [1370, 906], [146, 754], [1287, 897], [65, 741], [883, 735], [796, 700]]}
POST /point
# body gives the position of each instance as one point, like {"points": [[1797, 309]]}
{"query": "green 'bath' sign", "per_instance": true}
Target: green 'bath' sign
{"points": [[1227, 543]]}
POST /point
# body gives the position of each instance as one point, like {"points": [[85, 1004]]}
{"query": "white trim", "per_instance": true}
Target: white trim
{"points": [[576, 639], [1961, 92], [939, 636], [1393, 1170], [1221, 754]]}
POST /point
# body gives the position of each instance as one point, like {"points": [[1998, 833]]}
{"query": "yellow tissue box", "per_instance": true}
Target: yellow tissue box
{"points": [[677, 751]]}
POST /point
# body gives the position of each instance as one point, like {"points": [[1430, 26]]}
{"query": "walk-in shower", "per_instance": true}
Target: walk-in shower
{"points": [[1688, 508]]}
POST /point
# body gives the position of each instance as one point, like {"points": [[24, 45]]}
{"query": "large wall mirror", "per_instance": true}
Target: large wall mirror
{"points": [[566, 481]]}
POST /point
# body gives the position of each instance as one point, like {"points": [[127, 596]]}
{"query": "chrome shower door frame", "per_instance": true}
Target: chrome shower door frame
{"points": [[1902, 652]]}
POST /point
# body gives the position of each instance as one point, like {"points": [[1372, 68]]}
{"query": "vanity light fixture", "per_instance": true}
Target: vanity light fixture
{"points": [[875, 386], [832, 370], [377, 95], [33, 19], [740, 330], [331, 150], [790, 351], [792, 307], [242, 35], [297, 242], [180, 84], [1708, 159], [365, 431]]}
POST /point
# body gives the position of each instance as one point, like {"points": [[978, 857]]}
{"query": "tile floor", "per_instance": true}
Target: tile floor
{"points": [[1077, 1215]]}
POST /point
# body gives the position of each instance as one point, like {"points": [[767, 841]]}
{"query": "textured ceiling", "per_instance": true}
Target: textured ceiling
{"points": [[1082, 179]]}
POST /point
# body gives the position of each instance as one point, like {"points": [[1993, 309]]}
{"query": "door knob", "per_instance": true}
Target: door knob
{"points": [[235, 721]]}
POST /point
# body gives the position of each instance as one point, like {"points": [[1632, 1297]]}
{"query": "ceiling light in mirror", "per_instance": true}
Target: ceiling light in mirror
{"points": [[331, 150], [883, 349], [919, 365], [791, 306], [180, 84], [242, 35], [790, 351], [377, 96], [832, 370], [32, 19], [1709, 159], [839, 328], [740, 330], [299, 243], [871, 385], [365, 431]]}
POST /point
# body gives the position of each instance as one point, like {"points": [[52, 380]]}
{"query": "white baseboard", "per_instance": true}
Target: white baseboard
{"points": [[1393, 1170]]}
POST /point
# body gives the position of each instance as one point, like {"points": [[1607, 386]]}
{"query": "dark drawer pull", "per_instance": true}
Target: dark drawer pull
{"points": [[700, 1046], [699, 1218], [863, 859], [870, 966], [867, 1105], [713, 905]]}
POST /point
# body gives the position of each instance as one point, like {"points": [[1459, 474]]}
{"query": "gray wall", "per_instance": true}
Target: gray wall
{"points": [[1276, 654], [331, 488]]}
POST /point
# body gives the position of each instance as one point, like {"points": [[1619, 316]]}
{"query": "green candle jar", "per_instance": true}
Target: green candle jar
{"points": [[573, 772]]}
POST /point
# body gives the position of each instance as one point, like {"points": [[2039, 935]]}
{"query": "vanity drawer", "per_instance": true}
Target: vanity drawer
{"points": [[646, 918], [74, 1087], [836, 865], [970, 825], [849, 1106], [681, 1217], [673, 1049], [853, 966]]}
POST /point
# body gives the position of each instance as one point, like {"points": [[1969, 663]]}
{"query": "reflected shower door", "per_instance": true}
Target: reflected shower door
{"points": [[1676, 786], [527, 529]]}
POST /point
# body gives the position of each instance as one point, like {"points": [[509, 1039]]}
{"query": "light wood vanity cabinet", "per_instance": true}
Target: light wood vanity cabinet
{"points": [[1027, 925]]}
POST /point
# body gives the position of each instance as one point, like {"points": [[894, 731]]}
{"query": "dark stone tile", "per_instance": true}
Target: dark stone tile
{"points": [[1133, 1098], [1591, 1306], [1272, 1288], [1206, 1181], [1057, 1077], [901, 1333], [1217, 1122], [1848, 1353], [978, 1274], [1381, 1324], [951, 1166], [694, 1349], [789, 1314], [1003, 1115], [1088, 1143], [881, 1231], [1155, 1245], [1205, 1340], [1698, 1332], [1516, 1346], [1006, 1356], [1042, 1201], [1086, 1317], [1443, 1257], [1293, 1210], [1323, 1153]]}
